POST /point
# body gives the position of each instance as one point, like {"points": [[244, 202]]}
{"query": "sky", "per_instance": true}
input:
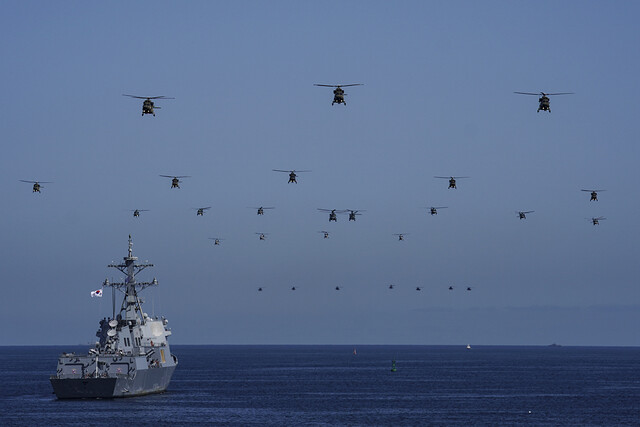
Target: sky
{"points": [[437, 100]]}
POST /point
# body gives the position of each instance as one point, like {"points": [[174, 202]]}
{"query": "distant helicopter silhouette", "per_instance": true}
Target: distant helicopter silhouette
{"points": [[292, 174], [175, 180], [148, 105], [594, 194], [452, 180], [338, 92], [36, 184]]}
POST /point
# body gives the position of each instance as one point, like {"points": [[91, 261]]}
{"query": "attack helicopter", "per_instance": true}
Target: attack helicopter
{"points": [[332, 213], [216, 240], [596, 221], [175, 180], [338, 92], [263, 236], [352, 214], [400, 235], [433, 210], [148, 105], [452, 180], [261, 209], [136, 212], [594, 194], [523, 214], [292, 175], [200, 211], [544, 99], [36, 184], [325, 234]]}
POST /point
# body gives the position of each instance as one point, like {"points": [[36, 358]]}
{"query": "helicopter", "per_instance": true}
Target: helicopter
{"points": [[544, 99], [594, 194], [200, 211], [136, 212], [523, 214], [332, 213], [325, 234], [352, 214], [175, 180], [468, 288], [337, 288], [450, 288], [338, 92], [596, 221], [400, 235], [36, 184], [259, 289], [216, 240], [391, 286], [452, 180], [418, 288], [293, 288], [292, 175], [434, 210], [263, 236], [147, 104], [261, 209]]}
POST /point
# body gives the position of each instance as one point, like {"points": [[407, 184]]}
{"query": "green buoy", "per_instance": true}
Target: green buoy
{"points": [[393, 365]]}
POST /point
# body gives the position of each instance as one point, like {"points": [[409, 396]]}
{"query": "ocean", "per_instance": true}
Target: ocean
{"points": [[329, 385]]}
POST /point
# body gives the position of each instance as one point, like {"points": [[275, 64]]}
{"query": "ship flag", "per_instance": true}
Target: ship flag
{"points": [[96, 293]]}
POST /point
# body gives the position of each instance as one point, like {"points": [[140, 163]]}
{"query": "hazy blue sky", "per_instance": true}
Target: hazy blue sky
{"points": [[437, 99]]}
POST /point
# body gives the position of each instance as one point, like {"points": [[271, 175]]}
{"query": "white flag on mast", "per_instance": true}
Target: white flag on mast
{"points": [[97, 293]]}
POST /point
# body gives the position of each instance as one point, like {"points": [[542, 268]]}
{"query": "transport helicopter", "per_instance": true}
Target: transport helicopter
{"points": [[136, 212], [200, 211], [544, 99], [292, 175], [263, 236], [523, 214], [452, 180], [216, 240], [261, 209], [36, 184], [325, 234], [594, 194], [338, 92], [596, 221], [332, 213], [352, 214], [148, 105], [401, 235], [175, 180], [433, 210]]}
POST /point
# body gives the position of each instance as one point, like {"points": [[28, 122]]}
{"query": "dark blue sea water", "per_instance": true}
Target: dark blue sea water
{"points": [[328, 385]]}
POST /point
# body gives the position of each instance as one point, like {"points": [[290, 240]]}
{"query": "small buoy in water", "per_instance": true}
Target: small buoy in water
{"points": [[529, 411], [393, 365]]}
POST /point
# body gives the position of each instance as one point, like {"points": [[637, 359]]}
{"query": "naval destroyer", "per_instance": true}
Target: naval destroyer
{"points": [[132, 356]]}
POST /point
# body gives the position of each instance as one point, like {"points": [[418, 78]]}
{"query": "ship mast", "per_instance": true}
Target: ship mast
{"points": [[131, 304]]}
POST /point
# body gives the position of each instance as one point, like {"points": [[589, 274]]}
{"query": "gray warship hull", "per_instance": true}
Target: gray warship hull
{"points": [[148, 381]]}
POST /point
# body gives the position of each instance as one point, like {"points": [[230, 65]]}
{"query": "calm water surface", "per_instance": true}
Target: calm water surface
{"points": [[328, 385]]}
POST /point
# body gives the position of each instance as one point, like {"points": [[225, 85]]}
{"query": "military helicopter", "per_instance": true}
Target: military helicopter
{"points": [[200, 211], [433, 210], [325, 234], [337, 288], [261, 209], [292, 175], [544, 99], [136, 212], [259, 289], [147, 105], [332, 213], [452, 180], [36, 184], [418, 288], [263, 236], [175, 180], [450, 288], [594, 194], [400, 235], [293, 288], [391, 286], [523, 214], [216, 240], [352, 214], [468, 288], [338, 92], [596, 221]]}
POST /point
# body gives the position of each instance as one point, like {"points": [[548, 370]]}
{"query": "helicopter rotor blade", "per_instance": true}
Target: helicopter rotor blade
{"points": [[560, 93], [528, 93]]}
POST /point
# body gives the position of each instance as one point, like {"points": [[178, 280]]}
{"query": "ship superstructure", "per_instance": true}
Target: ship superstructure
{"points": [[132, 356]]}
